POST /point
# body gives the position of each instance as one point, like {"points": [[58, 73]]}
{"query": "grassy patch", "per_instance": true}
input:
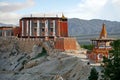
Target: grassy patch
{"points": [[43, 53], [89, 47]]}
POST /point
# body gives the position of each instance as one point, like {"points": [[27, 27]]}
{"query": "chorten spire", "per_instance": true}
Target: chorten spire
{"points": [[103, 33]]}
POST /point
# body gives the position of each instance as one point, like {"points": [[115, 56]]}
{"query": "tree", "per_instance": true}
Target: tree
{"points": [[111, 69], [93, 74]]}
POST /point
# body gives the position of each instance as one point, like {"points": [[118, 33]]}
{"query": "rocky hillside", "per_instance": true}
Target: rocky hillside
{"points": [[39, 65], [85, 27]]}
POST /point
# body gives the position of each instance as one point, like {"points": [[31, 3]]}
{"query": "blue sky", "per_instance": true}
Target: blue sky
{"points": [[12, 10], [44, 6]]}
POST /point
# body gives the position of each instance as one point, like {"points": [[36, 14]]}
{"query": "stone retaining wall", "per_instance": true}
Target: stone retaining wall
{"points": [[26, 44]]}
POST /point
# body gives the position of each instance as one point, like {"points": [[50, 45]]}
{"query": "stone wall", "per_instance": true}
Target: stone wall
{"points": [[65, 43], [26, 44]]}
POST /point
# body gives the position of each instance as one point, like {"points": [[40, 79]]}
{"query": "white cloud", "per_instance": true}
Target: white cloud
{"points": [[116, 2], [92, 5], [9, 18], [88, 9], [8, 7], [7, 14], [96, 9], [111, 10]]}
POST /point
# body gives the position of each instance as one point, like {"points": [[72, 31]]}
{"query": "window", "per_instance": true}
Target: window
{"points": [[43, 30], [42, 24], [51, 29]]}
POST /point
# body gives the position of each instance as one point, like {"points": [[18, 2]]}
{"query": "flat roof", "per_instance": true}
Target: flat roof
{"points": [[6, 27], [43, 18], [104, 39]]}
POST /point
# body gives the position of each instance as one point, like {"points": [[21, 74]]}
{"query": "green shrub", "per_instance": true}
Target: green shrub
{"points": [[43, 53], [111, 68], [89, 47], [24, 62], [93, 74], [3, 69]]}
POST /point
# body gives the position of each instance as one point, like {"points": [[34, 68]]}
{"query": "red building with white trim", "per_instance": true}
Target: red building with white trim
{"points": [[41, 27], [46, 28]]}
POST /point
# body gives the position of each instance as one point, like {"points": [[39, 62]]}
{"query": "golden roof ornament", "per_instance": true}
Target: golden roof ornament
{"points": [[63, 17]]}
